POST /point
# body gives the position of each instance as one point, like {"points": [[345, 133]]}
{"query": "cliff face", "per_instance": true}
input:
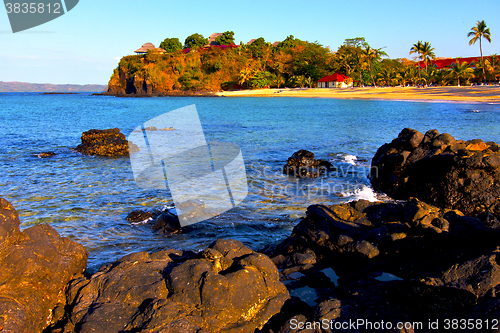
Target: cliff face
{"points": [[154, 73]]}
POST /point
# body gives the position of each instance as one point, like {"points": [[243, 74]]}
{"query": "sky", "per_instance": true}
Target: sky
{"points": [[85, 45]]}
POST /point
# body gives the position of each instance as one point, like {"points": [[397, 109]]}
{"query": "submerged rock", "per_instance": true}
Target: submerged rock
{"points": [[108, 142], [442, 171], [302, 164], [166, 223], [36, 266], [139, 216], [227, 287], [163, 221], [46, 154]]}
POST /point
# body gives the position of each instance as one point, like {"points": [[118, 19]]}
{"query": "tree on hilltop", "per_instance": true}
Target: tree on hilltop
{"points": [[227, 38], [480, 31], [195, 41], [171, 45]]}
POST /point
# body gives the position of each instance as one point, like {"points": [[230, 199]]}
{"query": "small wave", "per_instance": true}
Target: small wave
{"points": [[143, 221], [346, 158], [350, 159], [365, 193]]}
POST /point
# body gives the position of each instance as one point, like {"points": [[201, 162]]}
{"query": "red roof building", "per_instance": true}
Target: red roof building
{"points": [[447, 62], [336, 80]]}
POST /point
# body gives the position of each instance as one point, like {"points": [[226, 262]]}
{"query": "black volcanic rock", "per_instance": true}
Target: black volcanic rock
{"points": [[36, 266], [302, 164], [397, 262], [108, 142], [441, 171], [225, 288], [139, 216]]}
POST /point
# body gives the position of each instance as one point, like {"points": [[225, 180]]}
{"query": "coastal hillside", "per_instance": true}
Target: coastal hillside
{"points": [[211, 65], [258, 64], [47, 87]]}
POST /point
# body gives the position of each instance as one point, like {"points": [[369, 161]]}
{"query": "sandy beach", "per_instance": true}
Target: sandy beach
{"points": [[457, 94]]}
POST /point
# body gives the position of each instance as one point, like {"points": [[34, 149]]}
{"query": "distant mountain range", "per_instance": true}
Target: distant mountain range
{"points": [[47, 87]]}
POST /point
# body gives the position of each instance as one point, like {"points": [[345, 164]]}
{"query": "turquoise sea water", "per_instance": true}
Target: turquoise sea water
{"points": [[88, 198]]}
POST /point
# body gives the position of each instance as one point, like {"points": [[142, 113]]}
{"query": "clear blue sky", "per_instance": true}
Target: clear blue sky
{"points": [[85, 45]]}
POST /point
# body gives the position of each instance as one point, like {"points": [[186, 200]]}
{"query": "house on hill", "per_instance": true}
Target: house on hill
{"points": [[147, 47], [213, 37], [337, 80]]}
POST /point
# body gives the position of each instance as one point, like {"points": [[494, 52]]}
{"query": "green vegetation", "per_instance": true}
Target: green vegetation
{"points": [[227, 38], [195, 41], [292, 63], [171, 45]]}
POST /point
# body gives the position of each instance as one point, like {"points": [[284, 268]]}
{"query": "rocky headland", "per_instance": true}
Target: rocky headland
{"points": [[417, 260]]}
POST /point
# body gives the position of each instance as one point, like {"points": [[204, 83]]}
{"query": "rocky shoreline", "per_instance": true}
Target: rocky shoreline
{"points": [[415, 260]]}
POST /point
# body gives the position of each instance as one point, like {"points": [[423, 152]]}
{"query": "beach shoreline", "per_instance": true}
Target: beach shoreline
{"points": [[482, 94]]}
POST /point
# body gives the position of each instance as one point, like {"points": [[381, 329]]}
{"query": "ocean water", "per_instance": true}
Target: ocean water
{"points": [[88, 198]]}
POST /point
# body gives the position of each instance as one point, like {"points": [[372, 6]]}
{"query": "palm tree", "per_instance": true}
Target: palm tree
{"points": [[245, 75], [480, 68], [416, 48], [480, 31], [461, 70], [369, 55], [427, 54], [493, 67], [441, 77]]}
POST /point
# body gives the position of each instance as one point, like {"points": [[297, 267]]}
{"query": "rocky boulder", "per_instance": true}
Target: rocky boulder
{"points": [[442, 171], [397, 262], [385, 235], [108, 142], [302, 164], [36, 266], [225, 288]]}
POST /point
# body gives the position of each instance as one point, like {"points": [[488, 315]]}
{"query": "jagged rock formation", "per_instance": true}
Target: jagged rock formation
{"points": [[441, 171], [226, 288], [397, 262], [36, 266]]}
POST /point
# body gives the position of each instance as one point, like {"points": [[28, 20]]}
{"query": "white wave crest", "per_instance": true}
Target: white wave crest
{"points": [[365, 193], [350, 159]]}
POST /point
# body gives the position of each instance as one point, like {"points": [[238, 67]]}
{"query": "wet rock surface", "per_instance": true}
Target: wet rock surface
{"points": [[302, 164], [36, 266], [163, 221], [398, 262], [225, 288], [46, 154], [108, 142], [441, 171]]}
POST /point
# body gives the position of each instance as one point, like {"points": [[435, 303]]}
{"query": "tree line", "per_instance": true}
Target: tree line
{"points": [[290, 63]]}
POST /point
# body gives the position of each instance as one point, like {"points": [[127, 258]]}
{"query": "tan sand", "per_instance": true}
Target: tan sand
{"points": [[458, 94]]}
